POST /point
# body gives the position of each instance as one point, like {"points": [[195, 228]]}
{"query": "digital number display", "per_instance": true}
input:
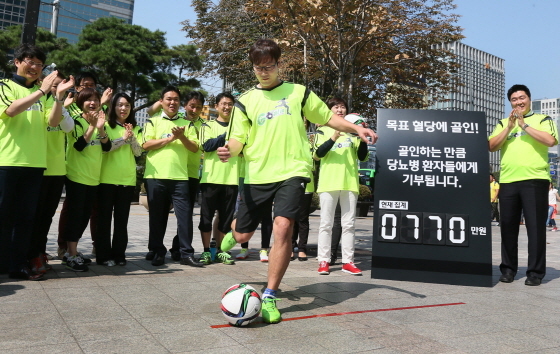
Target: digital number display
{"points": [[424, 228]]}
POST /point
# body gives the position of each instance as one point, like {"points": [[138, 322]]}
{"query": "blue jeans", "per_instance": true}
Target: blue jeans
{"points": [[550, 221]]}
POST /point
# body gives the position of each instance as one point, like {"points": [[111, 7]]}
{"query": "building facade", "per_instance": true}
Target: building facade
{"points": [[483, 87], [73, 15]]}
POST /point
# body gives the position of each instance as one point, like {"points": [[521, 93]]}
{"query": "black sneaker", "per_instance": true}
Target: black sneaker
{"points": [[87, 261], [76, 263]]}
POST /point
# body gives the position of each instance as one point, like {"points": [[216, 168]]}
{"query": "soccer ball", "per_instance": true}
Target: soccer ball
{"points": [[357, 119], [241, 304]]}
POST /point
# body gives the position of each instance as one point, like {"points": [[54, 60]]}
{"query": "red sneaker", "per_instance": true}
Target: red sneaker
{"points": [[350, 268], [45, 261], [324, 268], [37, 265]]}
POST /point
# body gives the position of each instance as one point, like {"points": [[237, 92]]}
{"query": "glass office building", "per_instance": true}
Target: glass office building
{"points": [[483, 78], [73, 15]]}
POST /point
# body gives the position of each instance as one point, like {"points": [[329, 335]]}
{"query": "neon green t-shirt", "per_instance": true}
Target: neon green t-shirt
{"points": [[56, 156], [194, 157], [170, 161], [119, 165], [23, 138], [339, 167], [522, 157], [270, 124], [214, 170], [83, 166]]}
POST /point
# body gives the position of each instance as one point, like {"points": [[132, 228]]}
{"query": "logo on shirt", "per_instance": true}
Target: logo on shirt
{"points": [[54, 129], [35, 107], [165, 136], [343, 144], [281, 109], [516, 135]]}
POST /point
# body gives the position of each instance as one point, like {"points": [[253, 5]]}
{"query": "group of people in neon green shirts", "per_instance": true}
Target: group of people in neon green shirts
{"points": [[265, 125]]}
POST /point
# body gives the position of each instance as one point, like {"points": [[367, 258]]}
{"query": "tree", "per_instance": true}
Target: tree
{"points": [[373, 53], [223, 33], [46, 41]]}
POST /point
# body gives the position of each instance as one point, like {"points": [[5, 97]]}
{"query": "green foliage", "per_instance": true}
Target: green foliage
{"points": [[364, 193]]}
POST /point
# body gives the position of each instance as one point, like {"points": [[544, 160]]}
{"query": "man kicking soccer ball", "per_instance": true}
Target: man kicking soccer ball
{"points": [[267, 123]]}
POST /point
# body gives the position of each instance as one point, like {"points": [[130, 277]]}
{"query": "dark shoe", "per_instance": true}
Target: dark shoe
{"points": [[158, 260], [26, 274], [532, 281], [506, 278], [302, 259], [150, 255], [190, 261], [176, 255], [333, 260]]}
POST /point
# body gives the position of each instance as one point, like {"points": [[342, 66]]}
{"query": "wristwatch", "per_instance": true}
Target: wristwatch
{"points": [[525, 126]]}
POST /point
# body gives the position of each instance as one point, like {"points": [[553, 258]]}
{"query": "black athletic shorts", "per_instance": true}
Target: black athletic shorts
{"points": [[258, 198], [218, 197]]}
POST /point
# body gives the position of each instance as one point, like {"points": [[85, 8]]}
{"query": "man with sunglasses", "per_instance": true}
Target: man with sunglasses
{"points": [[267, 123]]}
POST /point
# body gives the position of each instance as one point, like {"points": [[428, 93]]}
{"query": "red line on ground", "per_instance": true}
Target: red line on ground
{"points": [[352, 313]]}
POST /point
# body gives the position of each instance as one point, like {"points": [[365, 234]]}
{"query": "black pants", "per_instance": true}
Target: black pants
{"points": [[301, 226], [49, 198], [221, 198], [495, 212], [19, 193], [531, 196], [79, 202], [161, 193], [113, 204], [193, 193], [266, 231]]}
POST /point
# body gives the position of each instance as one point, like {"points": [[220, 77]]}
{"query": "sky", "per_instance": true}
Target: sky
{"points": [[523, 32]]}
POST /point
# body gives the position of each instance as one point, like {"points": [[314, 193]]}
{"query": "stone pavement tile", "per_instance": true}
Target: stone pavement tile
{"points": [[231, 348], [27, 306], [508, 341], [292, 346], [73, 348], [64, 283], [124, 344], [427, 347], [185, 341], [345, 341], [406, 339], [77, 313], [93, 301], [106, 329], [146, 296], [172, 323], [157, 310], [11, 285], [120, 280], [550, 333], [336, 297], [453, 327], [14, 338], [30, 320], [262, 333], [64, 294]]}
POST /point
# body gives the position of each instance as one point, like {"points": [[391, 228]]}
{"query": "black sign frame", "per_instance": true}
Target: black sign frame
{"points": [[432, 198]]}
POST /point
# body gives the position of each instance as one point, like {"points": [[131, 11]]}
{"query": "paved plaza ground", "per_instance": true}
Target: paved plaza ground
{"points": [[143, 309]]}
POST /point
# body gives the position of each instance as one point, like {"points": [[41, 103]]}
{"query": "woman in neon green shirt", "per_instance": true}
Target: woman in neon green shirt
{"points": [[83, 168], [117, 181], [338, 183]]}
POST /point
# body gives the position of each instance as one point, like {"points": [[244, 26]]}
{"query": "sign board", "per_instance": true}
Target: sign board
{"points": [[432, 198]]}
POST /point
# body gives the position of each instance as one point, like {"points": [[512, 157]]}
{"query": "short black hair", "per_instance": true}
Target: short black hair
{"points": [[29, 51], [335, 101], [222, 95], [85, 74], [86, 94], [194, 95], [170, 88], [516, 88], [263, 50]]}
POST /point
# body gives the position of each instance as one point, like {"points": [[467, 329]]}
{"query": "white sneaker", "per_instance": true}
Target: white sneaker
{"points": [[263, 255], [244, 253]]}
